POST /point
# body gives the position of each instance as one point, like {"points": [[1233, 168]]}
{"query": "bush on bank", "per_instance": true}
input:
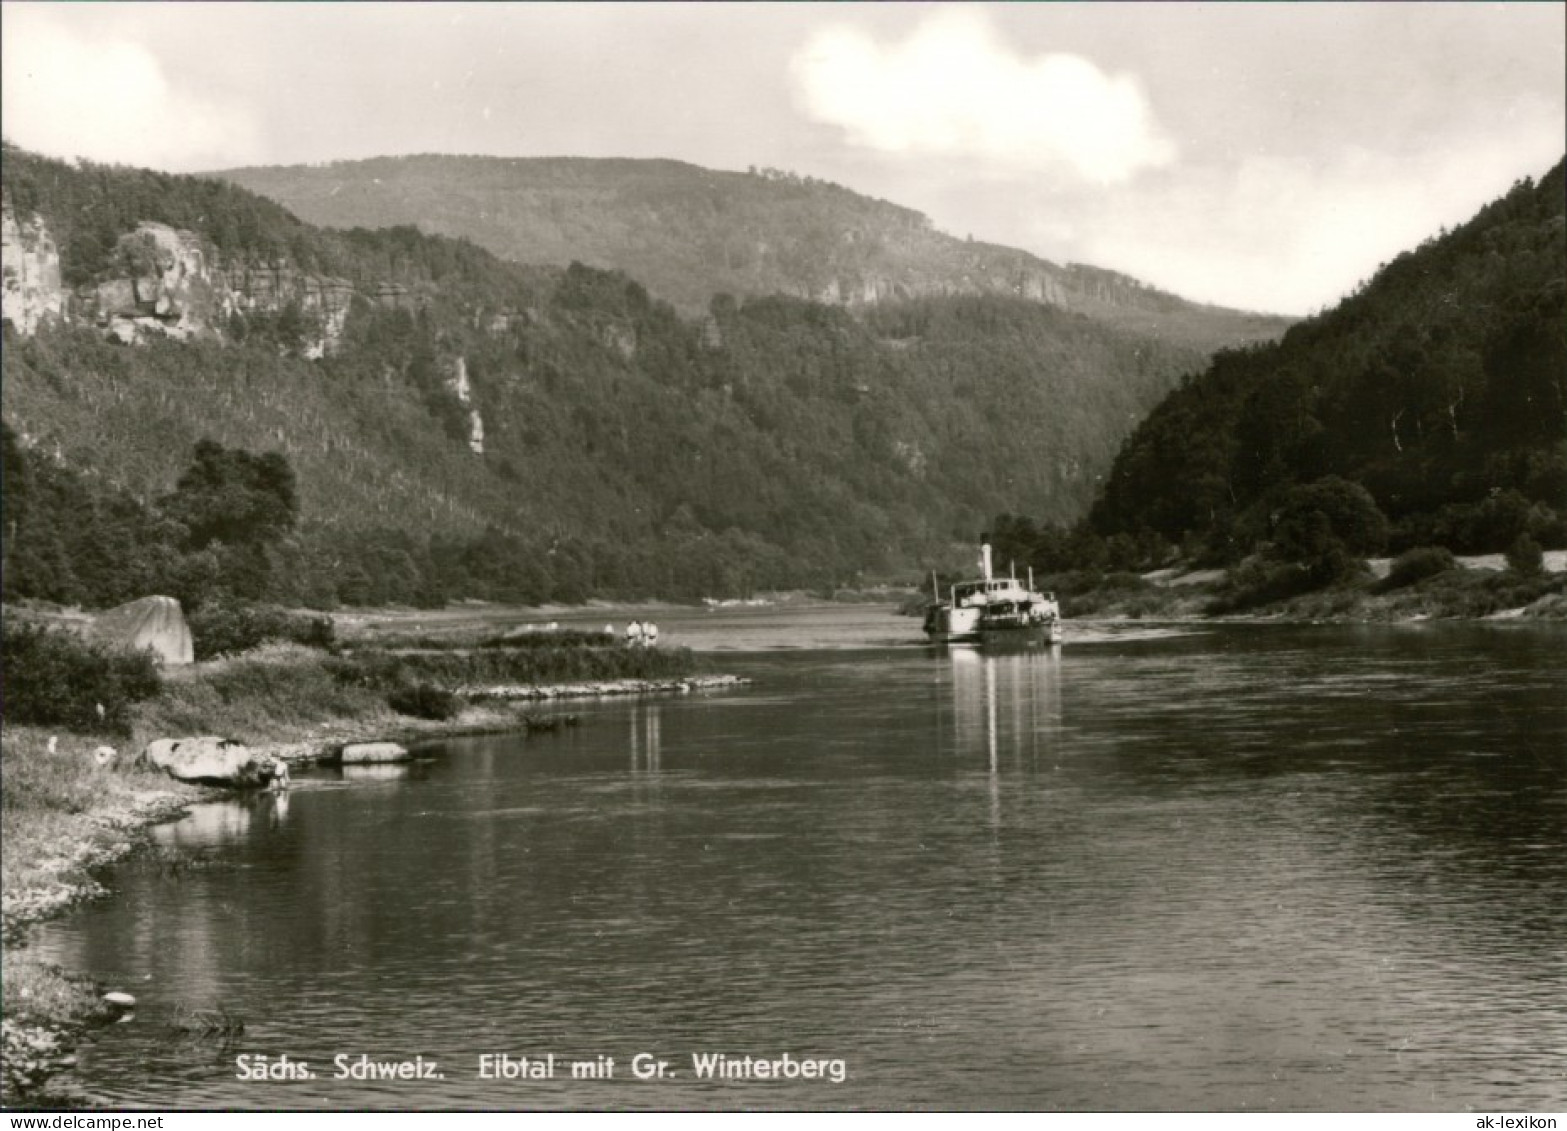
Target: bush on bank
{"points": [[1417, 565], [228, 629], [424, 701], [1525, 557], [52, 677], [387, 671], [470, 639], [273, 689]]}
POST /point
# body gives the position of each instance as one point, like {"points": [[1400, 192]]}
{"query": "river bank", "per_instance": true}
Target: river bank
{"points": [[70, 809], [1471, 589], [65, 817]]}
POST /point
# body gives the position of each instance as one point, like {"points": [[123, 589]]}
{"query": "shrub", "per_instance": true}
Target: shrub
{"points": [[1417, 565], [265, 691], [228, 629], [1313, 516], [1258, 581], [561, 638], [1525, 557], [424, 701], [55, 678], [1334, 565], [1128, 594], [1490, 525], [386, 672]]}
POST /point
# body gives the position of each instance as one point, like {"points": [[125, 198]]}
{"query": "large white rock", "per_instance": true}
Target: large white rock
{"points": [[150, 622], [210, 760], [372, 753]]}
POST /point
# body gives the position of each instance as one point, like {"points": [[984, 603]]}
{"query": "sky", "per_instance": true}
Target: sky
{"points": [[1265, 156]]}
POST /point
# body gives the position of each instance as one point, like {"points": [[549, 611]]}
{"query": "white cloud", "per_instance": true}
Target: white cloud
{"points": [[68, 95], [953, 90], [1291, 234]]}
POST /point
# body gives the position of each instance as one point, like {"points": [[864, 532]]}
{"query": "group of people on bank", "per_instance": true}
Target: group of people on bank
{"points": [[640, 635]]}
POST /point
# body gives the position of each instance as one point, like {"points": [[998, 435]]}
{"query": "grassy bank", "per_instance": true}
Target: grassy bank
{"points": [[63, 816], [280, 696], [67, 812]]}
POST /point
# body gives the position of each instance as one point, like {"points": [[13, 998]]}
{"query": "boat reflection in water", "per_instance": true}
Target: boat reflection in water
{"points": [[646, 743], [1006, 711]]}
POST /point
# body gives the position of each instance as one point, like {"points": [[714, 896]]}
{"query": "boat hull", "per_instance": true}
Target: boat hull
{"points": [[944, 623], [944, 626], [999, 638]]}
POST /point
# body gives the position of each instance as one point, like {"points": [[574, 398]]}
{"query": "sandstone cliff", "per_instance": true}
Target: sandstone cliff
{"points": [[172, 283], [30, 267], [166, 282], [463, 388]]}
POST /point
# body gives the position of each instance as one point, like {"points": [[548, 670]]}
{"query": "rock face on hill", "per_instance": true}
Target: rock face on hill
{"points": [[30, 267], [169, 282]]}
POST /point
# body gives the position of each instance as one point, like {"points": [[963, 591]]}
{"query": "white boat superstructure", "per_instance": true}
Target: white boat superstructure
{"points": [[991, 608]]}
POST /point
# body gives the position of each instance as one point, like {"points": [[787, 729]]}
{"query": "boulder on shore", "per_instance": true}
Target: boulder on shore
{"points": [[373, 753], [150, 622], [210, 760]]}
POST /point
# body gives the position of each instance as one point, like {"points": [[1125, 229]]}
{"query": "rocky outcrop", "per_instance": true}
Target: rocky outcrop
{"points": [[166, 286], [148, 622], [372, 753], [30, 266], [393, 296], [210, 760], [604, 687], [173, 283], [620, 338], [463, 388], [322, 300], [981, 277], [500, 322], [166, 282]]}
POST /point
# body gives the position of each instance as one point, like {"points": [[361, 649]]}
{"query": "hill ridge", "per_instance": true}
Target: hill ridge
{"points": [[690, 232]]}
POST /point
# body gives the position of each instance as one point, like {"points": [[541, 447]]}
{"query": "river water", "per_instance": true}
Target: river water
{"points": [[1232, 867]]}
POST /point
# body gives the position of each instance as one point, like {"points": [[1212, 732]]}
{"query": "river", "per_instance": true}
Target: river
{"points": [[1159, 868]]}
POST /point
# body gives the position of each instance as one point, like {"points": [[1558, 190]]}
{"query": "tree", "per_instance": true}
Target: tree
{"points": [[13, 492], [1525, 558], [1328, 510], [233, 497]]}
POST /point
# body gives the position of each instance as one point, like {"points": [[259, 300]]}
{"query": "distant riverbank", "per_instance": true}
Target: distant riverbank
{"points": [[1471, 589]]}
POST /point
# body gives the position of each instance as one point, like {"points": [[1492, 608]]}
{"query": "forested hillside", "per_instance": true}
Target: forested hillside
{"points": [[455, 425], [1439, 388], [690, 233]]}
